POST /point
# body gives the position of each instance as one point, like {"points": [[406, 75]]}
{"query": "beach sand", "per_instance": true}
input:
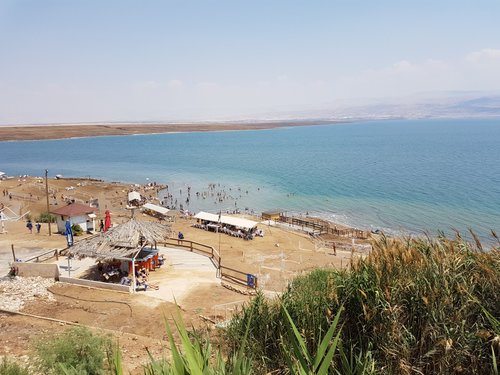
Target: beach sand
{"points": [[59, 131]]}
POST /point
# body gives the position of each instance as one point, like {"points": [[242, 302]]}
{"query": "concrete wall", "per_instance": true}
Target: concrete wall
{"points": [[47, 270], [95, 284]]}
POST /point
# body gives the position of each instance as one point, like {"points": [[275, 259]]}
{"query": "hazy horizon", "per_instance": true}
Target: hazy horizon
{"points": [[115, 61]]}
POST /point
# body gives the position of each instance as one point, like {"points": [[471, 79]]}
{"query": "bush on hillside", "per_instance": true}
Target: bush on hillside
{"points": [[46, 217], [75, 351]]}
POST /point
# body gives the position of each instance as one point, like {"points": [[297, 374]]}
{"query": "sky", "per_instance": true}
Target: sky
{"points": [[120, 60]]}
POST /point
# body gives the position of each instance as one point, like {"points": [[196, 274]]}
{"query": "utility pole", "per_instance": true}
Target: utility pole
{"points": [[47, 194]]}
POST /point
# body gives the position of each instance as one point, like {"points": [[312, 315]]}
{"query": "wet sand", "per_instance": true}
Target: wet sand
{"points": [[58, 131]]}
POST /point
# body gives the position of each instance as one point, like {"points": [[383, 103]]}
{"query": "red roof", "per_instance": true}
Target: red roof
{"points": [[74, 209]]}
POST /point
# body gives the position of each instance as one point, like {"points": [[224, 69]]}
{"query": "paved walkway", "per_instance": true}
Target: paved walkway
{"points": [[184, 272], [188, 271]]}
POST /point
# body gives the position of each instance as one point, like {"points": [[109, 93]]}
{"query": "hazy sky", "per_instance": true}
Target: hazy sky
{"points": [[109, 60]]}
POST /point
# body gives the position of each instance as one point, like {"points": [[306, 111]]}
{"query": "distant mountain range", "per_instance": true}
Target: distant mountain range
{"points": [[457, 105], [448, 104]]}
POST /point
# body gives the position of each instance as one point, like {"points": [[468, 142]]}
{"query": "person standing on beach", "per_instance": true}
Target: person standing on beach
{"points": [[29, 225]]}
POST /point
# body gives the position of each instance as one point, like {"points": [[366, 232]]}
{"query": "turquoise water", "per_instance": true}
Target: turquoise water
{"points": [[400, 176]]}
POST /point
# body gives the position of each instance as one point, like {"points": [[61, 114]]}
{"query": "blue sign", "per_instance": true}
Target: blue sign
{"points": [[251, 280]]}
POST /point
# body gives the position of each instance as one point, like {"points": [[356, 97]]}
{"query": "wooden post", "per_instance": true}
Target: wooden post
{"points": [[133, 275], [13, 252], [47, 194]]}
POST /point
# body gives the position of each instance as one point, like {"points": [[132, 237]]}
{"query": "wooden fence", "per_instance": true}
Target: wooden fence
{"points": [[24, 196], [228, 273], [43, 256], [324, 227]]}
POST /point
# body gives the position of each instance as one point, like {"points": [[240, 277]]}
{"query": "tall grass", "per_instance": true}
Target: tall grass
{"points": [[9, 367], [411, 306]]}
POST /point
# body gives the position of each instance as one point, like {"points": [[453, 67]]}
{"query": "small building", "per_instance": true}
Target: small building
{"points": [[77, 214], [272, 215]]}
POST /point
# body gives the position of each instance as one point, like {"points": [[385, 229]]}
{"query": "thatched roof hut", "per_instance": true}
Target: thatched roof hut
{"points": [[122, 241]]}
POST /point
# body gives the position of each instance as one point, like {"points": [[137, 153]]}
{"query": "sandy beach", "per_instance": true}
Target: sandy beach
{"points": [[21, 195], [59, 131], [188, 281]]}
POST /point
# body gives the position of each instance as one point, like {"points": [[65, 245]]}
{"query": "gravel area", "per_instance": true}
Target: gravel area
{"points": [[14, 292]]}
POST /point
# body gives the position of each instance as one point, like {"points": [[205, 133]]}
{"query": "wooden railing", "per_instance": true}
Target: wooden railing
{"points": [[324, 227], [46, 255], [197, 247], [240, 277]]}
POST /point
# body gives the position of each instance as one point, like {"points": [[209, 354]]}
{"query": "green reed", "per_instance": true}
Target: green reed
{"points": [[411, 306]]}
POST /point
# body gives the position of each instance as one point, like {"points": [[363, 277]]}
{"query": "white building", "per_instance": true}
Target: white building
{"points": [[76, 213]]}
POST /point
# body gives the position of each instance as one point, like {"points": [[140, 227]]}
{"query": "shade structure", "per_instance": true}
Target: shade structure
{"points": [[107, 221], [153, 207], [122, 241], [229, 220]]}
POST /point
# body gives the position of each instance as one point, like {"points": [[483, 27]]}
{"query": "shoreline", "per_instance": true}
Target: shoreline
{"points": [[98, 183], [56, 131]]}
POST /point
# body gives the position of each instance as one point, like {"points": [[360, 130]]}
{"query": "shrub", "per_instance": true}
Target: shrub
{"points": [[77, 230], [76, 351], [8, 367], [46, 217]]}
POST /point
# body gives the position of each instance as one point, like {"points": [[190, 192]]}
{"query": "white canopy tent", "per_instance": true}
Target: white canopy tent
{"points": [[207, 216], [153, 207], [134, 195], [228, 220]]}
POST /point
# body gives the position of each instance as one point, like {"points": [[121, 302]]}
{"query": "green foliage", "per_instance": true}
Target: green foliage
{"points": [[298, 357], [411, 306], [7, 367], [77, 230], [77, 351], [46, 217], [194, 357]]}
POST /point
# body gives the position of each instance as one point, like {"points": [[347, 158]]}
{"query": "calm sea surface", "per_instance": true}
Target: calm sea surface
{"points": [[399, 176]]}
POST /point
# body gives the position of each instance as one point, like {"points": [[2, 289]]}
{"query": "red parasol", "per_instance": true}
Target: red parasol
{"points": [[107, 221]]}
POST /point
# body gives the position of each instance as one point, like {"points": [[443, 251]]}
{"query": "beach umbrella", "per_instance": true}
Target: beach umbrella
{"points": [[69, 233], [107, 221]]}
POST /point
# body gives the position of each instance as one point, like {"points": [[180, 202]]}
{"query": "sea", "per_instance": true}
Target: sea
{"points": [[410, 177]]}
